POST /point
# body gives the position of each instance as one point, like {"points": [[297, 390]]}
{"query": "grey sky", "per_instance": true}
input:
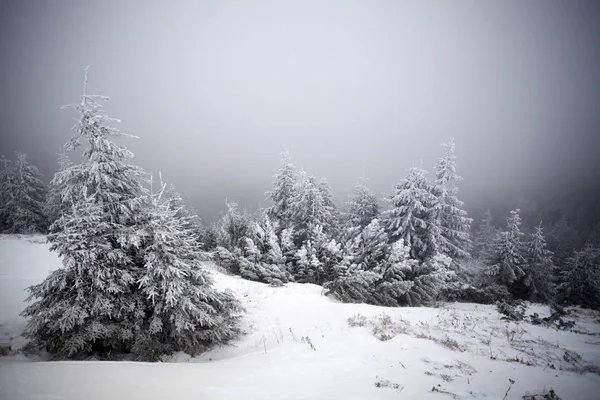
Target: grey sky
{"points": [[215, 89]]}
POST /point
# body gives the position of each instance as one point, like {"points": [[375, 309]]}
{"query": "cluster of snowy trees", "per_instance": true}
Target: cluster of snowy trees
{"points": [[404, 255], [416, 250], [132, 281], [525, 268]]}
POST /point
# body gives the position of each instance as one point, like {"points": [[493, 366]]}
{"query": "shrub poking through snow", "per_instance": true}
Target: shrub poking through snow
{"points": [[357, 320], [382, 326]]}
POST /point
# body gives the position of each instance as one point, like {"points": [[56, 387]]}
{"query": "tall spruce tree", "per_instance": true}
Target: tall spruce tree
{"points": [[309, 208], [538, 268], [362, 206], [507, 258], [411, 217], [92, 305], [454, 224], [282, 194]]}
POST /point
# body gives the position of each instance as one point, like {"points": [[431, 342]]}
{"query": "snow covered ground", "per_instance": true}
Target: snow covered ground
{"points": [[300, 346]]}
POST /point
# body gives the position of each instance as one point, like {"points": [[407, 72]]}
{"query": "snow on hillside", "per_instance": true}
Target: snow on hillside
{"points": [[300, 346]]}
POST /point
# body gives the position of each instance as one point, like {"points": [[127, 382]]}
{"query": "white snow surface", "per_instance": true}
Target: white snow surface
{"points": [[274, 361]]}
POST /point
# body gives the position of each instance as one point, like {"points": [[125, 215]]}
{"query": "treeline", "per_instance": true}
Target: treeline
{"points": [[418, 249]]}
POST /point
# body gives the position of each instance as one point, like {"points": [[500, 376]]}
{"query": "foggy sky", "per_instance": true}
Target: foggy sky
{"points": [[216, 89]]}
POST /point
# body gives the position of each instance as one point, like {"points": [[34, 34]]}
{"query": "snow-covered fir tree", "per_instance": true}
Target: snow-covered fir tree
{"points": [[538, 268], [184, 312], [454, 224], [309, 208], [262, 256], [318, 258], [130, 281], [91, 305], [397, 281], [235, 225], [369, 249], [25, 198], [362, 206], [186, 210], [330, 223], [407, 282], [578, 280], [283, 192], [506, 261], [411, 217]]}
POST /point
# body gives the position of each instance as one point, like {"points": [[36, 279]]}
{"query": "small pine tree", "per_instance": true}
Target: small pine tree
{"points": [[25, 198], [538, 268], [579, 278], [310, 208], [454, 224], [395, 284], [283, 192], [185, 313], [330, 222], [369, 249], [507, 259], [407, 282], [354, 286], [235, 225], [411, 218], [362, 206]]}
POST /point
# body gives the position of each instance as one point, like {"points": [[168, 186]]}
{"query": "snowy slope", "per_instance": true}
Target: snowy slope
{"points": [[460, 349]]}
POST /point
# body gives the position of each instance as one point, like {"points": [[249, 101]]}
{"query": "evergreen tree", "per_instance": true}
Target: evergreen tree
{"points": [[185, 313], [92, 304], [309, 208], [369, 249], [236, 224], [395, 283], [330, 223], [318, 258], [362, 206], [538, 268], [411, 218], [283, 192], [185, 210], [131, 281], [407, 282], [25, 198], [506, 261], [263, 259], [579, 278], [453, 222]]}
